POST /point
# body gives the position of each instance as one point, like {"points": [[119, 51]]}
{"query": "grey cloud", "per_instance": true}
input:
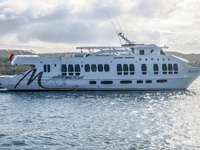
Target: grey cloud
{"points": [[59, 26], [62, 32], [64, 24]]}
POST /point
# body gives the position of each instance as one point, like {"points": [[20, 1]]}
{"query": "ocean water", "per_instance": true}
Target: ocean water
{"points": [[114, 120]]}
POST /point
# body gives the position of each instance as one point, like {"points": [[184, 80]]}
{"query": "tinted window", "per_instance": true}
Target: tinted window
{"points": [[87, 68], [63, 68], [144, 69], [106, 82], [132, 69], [106, 67], [125, 69], [170, 68], [126, 82], [139, 81], [141, 52], [70, 69], [100, 67], [93, 82], [94, 68], [161, 81], [175, 69], [155, 68], [164, 68], [49, 69], [119, 69], [45, 68], [77, 69], [148, 81]]}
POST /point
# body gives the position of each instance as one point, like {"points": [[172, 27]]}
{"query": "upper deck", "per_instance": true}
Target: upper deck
{"points": [[130, 49]]}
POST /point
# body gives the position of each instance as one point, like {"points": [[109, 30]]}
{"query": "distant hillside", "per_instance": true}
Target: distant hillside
{"points": [[193, 58], [5, 53], [190, 57], [7, 68]]}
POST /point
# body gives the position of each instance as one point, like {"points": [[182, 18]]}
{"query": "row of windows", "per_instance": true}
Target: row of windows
{"points": [[46, 68], [125, 69], [142, 52], [170, 68], [99, 68], [75, 69], [71, 69], [121, 68], [129, 81], [130, 69]]}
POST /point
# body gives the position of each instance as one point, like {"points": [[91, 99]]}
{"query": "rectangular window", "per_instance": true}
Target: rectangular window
{"points": [[63, 68], [164, 68], [175, 69], [87, 68], [155, 68], [106, 82], [77, 69], [70, 69], [141, 52], [106, 68], [93, 82], [132, 69], [94, 68], [144, 69], [170, 68], [161, 81], [100, 67], [126, 82], [139, 81], [148, 81], [49, 68], [45, 68], [125, 69], [119, 69]]}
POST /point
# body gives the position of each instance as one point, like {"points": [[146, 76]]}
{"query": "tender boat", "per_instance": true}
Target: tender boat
{"points": [[129, 67]]}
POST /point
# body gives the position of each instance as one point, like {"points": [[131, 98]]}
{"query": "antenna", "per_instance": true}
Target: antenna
{"points": [[116, 20], [120, 35], [112, 24]]}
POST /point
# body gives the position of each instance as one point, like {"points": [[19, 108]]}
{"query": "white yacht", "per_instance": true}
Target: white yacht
{"points": [[129, 67]]}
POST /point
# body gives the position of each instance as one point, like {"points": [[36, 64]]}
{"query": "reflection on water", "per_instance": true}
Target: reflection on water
{"points": [[101, 120]]}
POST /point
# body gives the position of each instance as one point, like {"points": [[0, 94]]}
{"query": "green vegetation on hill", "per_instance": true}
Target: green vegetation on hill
{"points": [[7, 69]]}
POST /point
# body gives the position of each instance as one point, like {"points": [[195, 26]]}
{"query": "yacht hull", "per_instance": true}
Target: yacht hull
{"points": [[80, 83]]}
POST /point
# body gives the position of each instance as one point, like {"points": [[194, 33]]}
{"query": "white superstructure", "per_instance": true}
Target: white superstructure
{"points": [[130, 67]]}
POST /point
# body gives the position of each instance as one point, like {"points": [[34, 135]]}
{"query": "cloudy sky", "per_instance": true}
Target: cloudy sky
{"points": [[62, 25]]}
